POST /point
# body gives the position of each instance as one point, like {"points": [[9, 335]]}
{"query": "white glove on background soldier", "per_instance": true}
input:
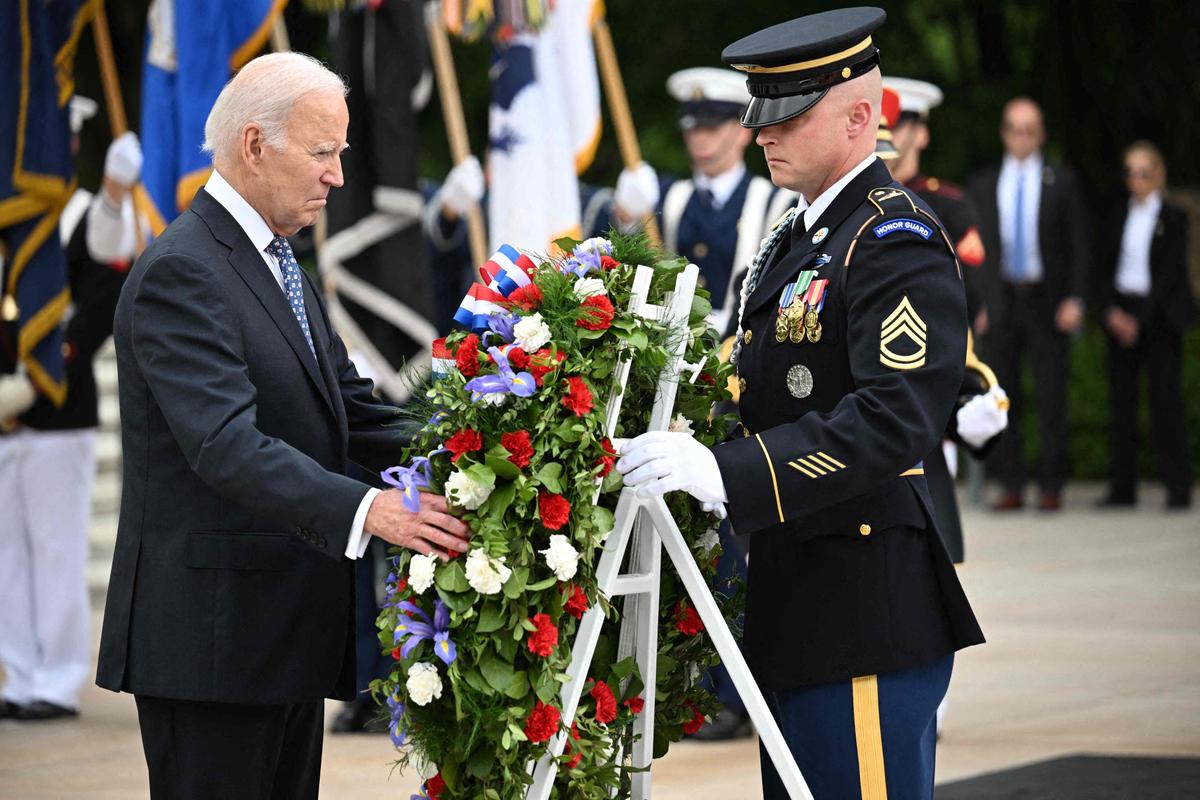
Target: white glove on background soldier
{"points": [[982, 417], [123, 163], [16, 395], [636, 194], [463, 188], [660, 461]]}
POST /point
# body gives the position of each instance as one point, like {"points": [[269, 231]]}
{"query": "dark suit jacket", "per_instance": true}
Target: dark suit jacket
{"points": [[1171, 303], [1062, 235], [229, 581]]}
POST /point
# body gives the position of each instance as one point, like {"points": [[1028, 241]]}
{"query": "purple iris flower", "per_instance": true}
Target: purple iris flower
{"points": [[413, 631], [579, 266], [410, 480], [501, 326], [396, 708], [506, 381]]}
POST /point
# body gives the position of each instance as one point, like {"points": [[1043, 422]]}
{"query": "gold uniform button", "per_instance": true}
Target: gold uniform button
{"points": [[742, 385], [749, 335], [864, 529]]}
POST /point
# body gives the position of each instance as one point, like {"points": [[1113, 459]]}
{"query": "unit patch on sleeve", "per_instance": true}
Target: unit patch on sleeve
{"points": [[902, 226], [903, 323]]}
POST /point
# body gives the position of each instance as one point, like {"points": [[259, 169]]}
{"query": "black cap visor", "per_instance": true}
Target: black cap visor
{"points": [[764, 111]]}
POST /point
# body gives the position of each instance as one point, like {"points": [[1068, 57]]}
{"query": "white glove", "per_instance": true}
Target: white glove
{"points": [[16, 396], [463, 188], [716, 509], [124, 160], [982, 417], [637, 191], [660, 461]]}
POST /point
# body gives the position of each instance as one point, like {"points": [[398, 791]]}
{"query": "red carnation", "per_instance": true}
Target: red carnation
{"points": [[541, 362], [435, 786], [396, 654], [636, 704], [467, 357], [466, 440], [518, 358], [519, 448], [577, 603], [542, 722], [555, 510], [401, 585], [687, 621], [574, 762], [597, 313], [606, 704], [544, 638], [608, 262], [709, 379], [606, 462], [579, 397], [696, 722], [527, 297]]}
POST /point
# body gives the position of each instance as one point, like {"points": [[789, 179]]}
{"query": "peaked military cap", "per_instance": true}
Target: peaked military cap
{"points": [[708, 96], [916, 97], [791, 66]]}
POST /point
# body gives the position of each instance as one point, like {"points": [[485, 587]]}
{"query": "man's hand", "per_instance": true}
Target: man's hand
{"points": [[1070, 315], [17, 396], [462, 189], [1122, 325], [636, 194], [431, 531], [659, 462], [981, 322], [123, 162], [982, 417]]}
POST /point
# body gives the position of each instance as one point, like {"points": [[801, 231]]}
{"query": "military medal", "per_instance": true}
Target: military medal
{"points": [[799, 381], [807, 324], [789, 314]]}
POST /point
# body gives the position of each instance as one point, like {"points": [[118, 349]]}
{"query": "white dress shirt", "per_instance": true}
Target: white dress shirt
{"points": [[1029, 174], [260, 236], [722, 186], [818, 206], [1133, 263]]}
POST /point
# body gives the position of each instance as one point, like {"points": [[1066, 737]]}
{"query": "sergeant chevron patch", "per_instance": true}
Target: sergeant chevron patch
{"points": [[817, 465], [904, 321]]}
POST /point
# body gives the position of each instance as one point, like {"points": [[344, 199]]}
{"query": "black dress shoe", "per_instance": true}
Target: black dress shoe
{"points": [[43, 710], [358, 716], [9, 710], [728, 724], [1179, 502], [1112, 500]]}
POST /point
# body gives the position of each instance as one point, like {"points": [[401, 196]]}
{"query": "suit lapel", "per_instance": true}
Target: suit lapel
{"points": [[249, 265], [803, 249]]}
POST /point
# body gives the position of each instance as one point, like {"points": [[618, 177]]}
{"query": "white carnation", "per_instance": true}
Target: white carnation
{"points": [[596, 244], [424, 683], [561, 557], [707, 541], [681, 424], [466, 491], [420, 572], [531, 333], [486, 574], [493, 399], [589, 287]]}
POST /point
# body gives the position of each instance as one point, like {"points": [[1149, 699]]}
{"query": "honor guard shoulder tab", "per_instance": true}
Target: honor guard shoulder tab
{"points": [[891, 200]]}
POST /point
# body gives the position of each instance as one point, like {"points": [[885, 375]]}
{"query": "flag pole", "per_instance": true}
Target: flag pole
{"points": [[452, 113], [618, 107], [117, 121]]}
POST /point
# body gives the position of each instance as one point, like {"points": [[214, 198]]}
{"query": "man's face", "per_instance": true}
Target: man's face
{"points": [[300, 176], [1142, 174], [1022, 130], [802, 151], [710, 144]]}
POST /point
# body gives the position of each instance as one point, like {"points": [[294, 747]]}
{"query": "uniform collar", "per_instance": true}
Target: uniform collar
{"points": [[722, 186], [823, 201]]}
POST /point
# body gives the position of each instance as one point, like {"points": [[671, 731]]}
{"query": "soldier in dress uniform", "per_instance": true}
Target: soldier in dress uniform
{"points": [[47, 455], [851, 352], [716, 218]]}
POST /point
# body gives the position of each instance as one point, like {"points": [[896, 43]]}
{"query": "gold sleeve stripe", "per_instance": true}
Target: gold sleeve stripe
{"points": [[832, 464], [869, 738], [813, 465], [774, 483], [795, 465], [831, 458]]}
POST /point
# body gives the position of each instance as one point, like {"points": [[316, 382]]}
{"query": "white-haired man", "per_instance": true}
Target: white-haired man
{"points": [[229, 613]]}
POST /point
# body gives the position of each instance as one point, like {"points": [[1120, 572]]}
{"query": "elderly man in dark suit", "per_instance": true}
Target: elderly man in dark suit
{"points": [[230, 608], [1036, 274], [1146, 304]]}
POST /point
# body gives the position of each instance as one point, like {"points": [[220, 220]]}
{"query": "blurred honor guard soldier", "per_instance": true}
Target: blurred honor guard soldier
{"points": [[717, 218], [47, 455], [1036, 271], [851, 350], [1146, 305]]}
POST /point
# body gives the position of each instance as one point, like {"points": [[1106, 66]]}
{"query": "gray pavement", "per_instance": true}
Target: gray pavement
{"points": [[1094, 646]]}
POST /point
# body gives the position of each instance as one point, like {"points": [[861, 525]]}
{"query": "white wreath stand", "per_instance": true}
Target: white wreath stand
{"points": [[647, 526]]}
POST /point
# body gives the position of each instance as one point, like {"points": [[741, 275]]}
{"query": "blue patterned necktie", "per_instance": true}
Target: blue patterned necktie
{"points": [[292, 285], [1016, 261]]}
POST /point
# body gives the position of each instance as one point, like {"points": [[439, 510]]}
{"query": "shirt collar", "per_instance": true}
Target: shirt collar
{"points": [[1152, 203], [818, 206], [243, 213], [1031, 163], [722, 186]]}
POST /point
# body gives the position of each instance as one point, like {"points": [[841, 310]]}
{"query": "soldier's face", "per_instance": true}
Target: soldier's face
{"points": [[715, 148], [804, 150], [300, 176]]}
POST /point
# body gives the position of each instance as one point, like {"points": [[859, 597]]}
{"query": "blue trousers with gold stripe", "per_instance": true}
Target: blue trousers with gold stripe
{"points": [[870, 738]]}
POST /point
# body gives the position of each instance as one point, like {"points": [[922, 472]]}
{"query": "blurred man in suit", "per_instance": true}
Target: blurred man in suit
{"points": [[1146, 303], [230, 608], [1032, 218]]}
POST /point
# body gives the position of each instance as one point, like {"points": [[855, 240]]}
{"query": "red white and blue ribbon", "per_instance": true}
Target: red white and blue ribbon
{"points": [[507, 270]]}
